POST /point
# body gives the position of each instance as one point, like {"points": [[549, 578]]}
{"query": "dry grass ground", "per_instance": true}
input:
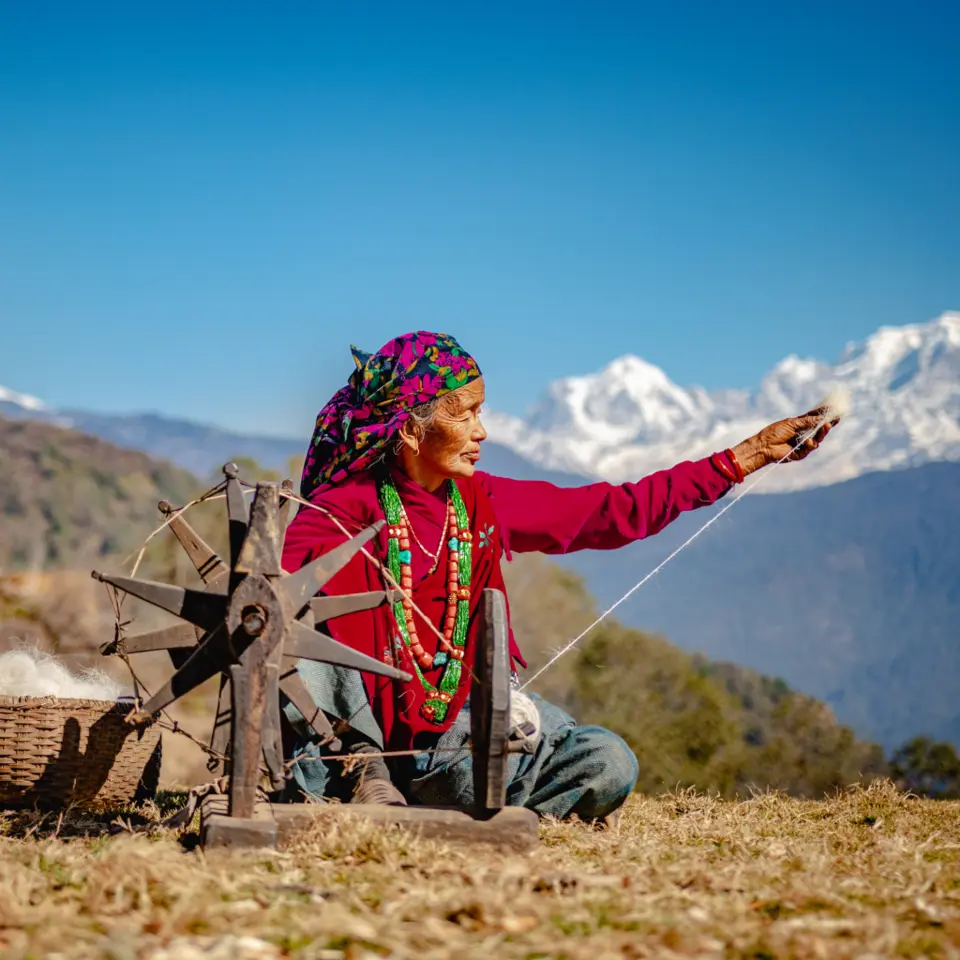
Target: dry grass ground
{"points": [[868, 873]]}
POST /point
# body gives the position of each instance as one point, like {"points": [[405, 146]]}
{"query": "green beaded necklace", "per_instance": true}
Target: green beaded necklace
{"points": [[454, 627]]}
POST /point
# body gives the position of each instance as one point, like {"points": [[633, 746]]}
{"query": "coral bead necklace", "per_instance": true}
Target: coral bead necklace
{"points": [[435, 557], [456, 620]]}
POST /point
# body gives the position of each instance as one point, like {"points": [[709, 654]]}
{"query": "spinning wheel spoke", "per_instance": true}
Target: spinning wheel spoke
{"points": [[299, 587], [213, 571], [272, 743], [201, 609], [328, 608], [260, 553], [236, 511], [204, 558], [220, 738], [285, 488], [177, 637], [307, 644], [205, 662]]}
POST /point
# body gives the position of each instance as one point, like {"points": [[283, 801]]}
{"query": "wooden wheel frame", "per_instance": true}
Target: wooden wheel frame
{"points": [[251, 623]]}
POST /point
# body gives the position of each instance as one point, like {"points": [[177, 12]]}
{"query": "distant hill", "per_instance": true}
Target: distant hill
{"points": [[201, 448], [850, 592], [716, 726], [67, 499]]}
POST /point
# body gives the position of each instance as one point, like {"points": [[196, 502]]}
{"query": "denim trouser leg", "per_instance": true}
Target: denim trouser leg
{"points": [[339, 692], [582, 771]]}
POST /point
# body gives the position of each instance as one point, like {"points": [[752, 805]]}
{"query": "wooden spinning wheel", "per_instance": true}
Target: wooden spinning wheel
{"points": [[251, 624]]}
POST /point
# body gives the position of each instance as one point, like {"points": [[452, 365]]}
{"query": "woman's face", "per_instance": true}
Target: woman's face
{"points": [[451, 446]]}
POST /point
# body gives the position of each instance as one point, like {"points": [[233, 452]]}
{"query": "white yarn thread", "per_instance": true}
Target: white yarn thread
{"points": [[30, 673], [831, 406]]}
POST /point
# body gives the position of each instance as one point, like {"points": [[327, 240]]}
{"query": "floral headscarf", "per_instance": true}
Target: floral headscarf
{"points": [[356, 425]]}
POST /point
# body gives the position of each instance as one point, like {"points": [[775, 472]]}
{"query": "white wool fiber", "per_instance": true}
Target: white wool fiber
{"points": [[30, 673], [837, 402], [524, 710]]}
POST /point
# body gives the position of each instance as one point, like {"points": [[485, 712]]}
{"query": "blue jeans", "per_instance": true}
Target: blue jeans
{"points": [[575, 770]]}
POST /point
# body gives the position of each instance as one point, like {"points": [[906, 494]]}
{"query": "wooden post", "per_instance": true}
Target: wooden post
{"points": [[490, 705]]}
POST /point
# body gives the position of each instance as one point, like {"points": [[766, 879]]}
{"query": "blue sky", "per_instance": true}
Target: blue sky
{"points": [[201, 205]]}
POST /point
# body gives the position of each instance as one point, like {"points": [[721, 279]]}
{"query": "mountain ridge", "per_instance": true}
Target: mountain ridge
{"points": [[629, 419], [202, 448]]}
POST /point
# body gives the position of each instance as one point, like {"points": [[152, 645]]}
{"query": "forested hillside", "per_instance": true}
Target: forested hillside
{"points": [[67, 499], [717, 726]]}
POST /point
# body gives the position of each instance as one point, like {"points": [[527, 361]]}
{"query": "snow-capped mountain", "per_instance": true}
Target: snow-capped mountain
{"points": [[630, 418], [20, 403]]}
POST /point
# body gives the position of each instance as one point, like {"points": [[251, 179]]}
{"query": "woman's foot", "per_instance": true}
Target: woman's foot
{"points": [[610, 822], [376, 790]]}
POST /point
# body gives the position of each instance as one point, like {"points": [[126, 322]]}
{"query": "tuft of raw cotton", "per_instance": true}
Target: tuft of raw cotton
{"points": [[30, 673], [837, 402], [524, 710]]}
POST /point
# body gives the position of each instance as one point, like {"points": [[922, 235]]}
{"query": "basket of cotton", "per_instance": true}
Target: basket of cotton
{"points": [[64, 739]]}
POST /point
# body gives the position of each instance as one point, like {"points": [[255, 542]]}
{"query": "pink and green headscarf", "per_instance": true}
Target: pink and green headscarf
{"points": [[356, 425]]}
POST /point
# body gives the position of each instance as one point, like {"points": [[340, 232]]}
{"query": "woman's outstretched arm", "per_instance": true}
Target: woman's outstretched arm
{"points": [[536, 516]]}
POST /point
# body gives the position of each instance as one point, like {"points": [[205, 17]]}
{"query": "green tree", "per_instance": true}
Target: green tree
{"points": [[679, 723], [928, 768]]}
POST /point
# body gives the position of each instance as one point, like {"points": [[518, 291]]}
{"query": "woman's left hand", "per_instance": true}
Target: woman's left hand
{"points": [[791, 439]]}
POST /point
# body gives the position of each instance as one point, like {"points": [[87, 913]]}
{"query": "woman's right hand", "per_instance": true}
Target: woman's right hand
{"points": [[789, 440]]}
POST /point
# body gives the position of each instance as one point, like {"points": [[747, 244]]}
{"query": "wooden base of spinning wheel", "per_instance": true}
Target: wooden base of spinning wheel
{"points": [[279, 825], [218, 829], [490, 822]]}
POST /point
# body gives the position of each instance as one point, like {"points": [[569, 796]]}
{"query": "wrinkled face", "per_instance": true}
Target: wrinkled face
{"points": [[451, 446]]}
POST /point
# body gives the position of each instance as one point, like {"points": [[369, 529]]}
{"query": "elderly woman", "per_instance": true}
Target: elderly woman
{"points": [[401, 442]]}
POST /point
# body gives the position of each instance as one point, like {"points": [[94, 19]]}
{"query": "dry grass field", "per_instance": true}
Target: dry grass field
{"points": [[869, 873]]}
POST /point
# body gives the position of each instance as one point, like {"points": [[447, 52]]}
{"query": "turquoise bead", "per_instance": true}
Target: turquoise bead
{"points": [[454, 543], [440, 658], [405, 556]]}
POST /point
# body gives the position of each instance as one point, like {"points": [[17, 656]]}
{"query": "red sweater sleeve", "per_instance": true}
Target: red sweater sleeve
{"points": [[536, 516], [312, 533]]}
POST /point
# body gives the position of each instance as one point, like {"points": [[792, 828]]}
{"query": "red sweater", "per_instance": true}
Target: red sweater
{"points": [[532, 515]]}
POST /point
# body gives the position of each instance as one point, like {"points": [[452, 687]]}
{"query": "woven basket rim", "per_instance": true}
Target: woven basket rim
{"points": [[50, 701]]}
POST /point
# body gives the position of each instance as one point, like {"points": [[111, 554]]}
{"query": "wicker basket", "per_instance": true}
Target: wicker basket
{"points": [[54, 753]]}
